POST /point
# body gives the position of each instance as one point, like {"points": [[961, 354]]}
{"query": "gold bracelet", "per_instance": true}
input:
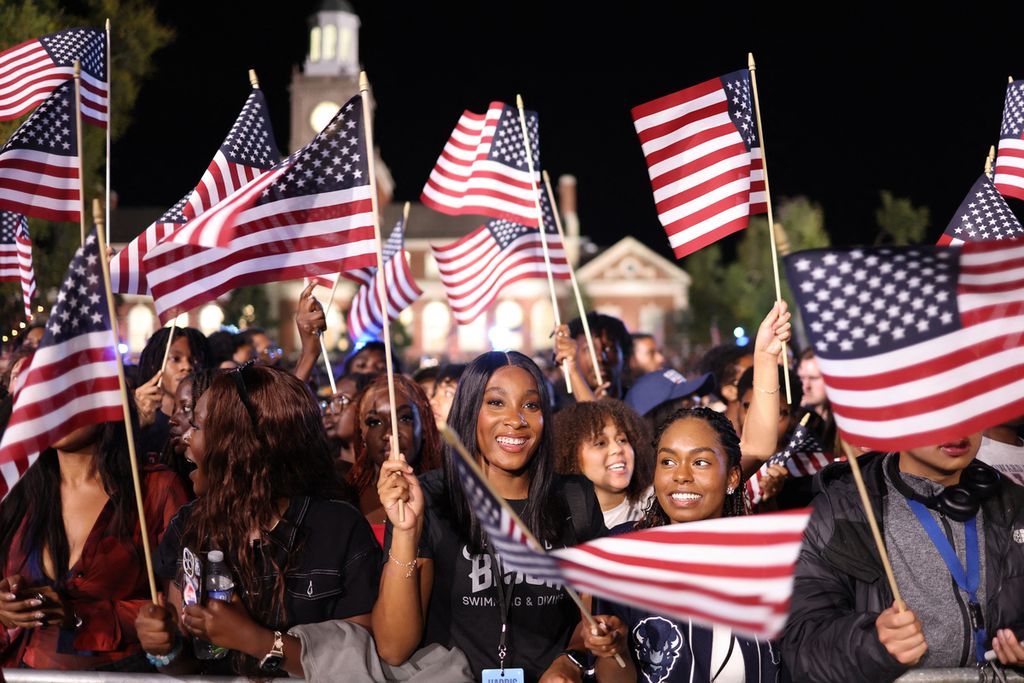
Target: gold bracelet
{"points": [[409, 567], [773, 391]]}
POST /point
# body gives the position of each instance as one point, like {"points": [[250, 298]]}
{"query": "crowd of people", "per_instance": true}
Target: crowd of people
{"points": [[350, 564]]}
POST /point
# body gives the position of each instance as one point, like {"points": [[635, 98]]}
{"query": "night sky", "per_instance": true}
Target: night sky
{"points": [[852, 103]]}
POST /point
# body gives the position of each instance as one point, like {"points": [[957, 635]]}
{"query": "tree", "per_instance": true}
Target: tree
{"points": [[899, 221], [740, 292], [136, 35]]}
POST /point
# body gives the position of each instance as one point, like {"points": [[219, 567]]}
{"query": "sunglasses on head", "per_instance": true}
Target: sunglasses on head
{"points": [[243, 393]]}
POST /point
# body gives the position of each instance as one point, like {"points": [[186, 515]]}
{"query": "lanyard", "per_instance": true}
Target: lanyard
{"points": [[504, 604], [968, 580]]}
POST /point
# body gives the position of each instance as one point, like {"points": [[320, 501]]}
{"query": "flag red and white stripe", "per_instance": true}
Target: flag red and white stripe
{"points": [[475, 268], [297, 220], [797, 465], [732, 571], [1009, 167], [39, 163], [929, 346], [71, 380], [16, 256], [247, 151], [127, 270], [483, 170], [364, 316], [704, 160], [32, 70]]}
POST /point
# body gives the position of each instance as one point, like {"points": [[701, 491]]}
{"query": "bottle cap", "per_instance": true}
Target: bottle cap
{"points": [[215, 556]]}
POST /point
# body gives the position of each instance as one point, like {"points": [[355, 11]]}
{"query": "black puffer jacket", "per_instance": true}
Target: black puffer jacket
{"points": [[840, 585]]}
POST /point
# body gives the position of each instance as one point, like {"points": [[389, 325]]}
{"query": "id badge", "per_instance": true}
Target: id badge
{"points": [[503, 676]]}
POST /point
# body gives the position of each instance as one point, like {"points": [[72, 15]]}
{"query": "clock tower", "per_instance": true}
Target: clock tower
{"points": [[330, 75]]}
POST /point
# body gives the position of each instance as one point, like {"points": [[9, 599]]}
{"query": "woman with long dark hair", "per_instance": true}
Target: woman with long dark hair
{"points": [[264, 482], [697, 477], [154, 397], [71, 547], [418, 440], [442, 583]]}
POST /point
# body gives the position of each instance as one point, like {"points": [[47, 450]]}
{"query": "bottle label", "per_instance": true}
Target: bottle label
{"points": [[224, 595]]}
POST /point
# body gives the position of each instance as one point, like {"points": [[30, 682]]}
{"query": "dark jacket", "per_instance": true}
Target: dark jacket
{"points": [[840, 585]]}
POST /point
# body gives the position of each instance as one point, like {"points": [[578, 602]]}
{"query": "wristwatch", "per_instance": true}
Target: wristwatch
{"points": [[272, 661], [577, 657]]}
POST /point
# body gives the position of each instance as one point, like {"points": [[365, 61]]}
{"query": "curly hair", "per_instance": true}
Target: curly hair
{"points": [[733, 506], [364, 473], [582, 422], [253, 460]]}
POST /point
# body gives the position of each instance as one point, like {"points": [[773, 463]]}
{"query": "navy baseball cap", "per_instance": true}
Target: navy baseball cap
{"points": [[654, 388]]}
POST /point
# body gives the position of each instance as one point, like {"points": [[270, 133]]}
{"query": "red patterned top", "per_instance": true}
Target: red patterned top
{"points": [[106, 587]]}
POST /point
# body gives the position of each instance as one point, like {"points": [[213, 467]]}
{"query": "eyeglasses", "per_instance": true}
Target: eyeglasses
{"points": [[335, 405], [243, 393]]}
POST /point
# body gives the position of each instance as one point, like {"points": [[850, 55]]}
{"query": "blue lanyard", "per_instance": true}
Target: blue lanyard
{"points": [[969, 580]]}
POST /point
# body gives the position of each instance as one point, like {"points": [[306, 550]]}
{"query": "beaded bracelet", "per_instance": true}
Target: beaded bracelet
{"points": [[165, 660], [763, 391], [409, 567]]}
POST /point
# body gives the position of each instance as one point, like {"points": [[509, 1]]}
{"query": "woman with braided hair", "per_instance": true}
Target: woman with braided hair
{"points": [[696, 477]]}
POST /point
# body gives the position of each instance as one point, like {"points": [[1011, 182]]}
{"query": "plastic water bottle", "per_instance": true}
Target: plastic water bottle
{"points": [[219, 586]]}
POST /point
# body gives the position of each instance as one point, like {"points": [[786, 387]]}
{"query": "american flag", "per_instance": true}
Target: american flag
{"points": [[475, 268], [917, 345], [29, 72], [803, 456], [71, 380], [16, 256], [735, 571], [483, 169], [1009, 171], [364, 319], [127, 274], [983, 215], [39, 164], [704, 159], [309, 215], [247, 151]]}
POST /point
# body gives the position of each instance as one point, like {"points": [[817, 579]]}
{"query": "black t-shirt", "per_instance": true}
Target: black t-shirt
{"points": [[335, 569], [464, 610]]}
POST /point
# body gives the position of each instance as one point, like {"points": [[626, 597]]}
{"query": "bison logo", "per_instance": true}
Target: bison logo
{"points": [[657, 647]]}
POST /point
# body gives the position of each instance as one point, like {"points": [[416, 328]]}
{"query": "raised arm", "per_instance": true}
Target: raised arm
{"points": [[760, 429]]}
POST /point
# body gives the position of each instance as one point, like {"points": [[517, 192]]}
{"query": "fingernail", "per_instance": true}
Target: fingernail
{"points": [[35, 603], [594, 632], [38, 615]]}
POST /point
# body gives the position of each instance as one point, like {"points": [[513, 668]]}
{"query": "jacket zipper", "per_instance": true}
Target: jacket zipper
{"points": [[964, 612]]}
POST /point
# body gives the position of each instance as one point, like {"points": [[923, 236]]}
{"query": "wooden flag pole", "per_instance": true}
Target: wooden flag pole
{"points": [[130, 432], [990, 160], [869, 511], [364, 91], [252, 79], [167, 352], [110, 75], [455, 442], [543, 230], [771, 219], [78, 125], [572, 279]]}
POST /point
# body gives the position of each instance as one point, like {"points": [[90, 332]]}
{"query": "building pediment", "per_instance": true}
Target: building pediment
{"points": [[630, 260]]}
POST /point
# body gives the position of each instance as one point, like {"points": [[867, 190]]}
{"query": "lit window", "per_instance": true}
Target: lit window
{"points": [[436, 325]]}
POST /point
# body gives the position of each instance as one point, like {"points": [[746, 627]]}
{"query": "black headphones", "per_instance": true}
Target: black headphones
{"points": [[978, 482]]}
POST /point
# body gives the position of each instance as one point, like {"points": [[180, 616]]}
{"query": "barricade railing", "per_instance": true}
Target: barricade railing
{"points": [[968, 675]]}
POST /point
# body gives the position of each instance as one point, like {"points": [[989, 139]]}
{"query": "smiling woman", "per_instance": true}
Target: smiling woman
{"points": [[462, 596], [697, 477]]}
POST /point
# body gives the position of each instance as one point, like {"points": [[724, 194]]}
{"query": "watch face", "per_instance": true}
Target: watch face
{"points": [[271, 663], [322, 114]]}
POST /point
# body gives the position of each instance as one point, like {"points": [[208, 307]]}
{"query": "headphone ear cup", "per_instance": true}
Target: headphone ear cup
{"points": [[980, 479], [958, 503]]}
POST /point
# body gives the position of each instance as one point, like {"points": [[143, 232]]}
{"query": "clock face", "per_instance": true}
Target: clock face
{"points": [[322, 114]]}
